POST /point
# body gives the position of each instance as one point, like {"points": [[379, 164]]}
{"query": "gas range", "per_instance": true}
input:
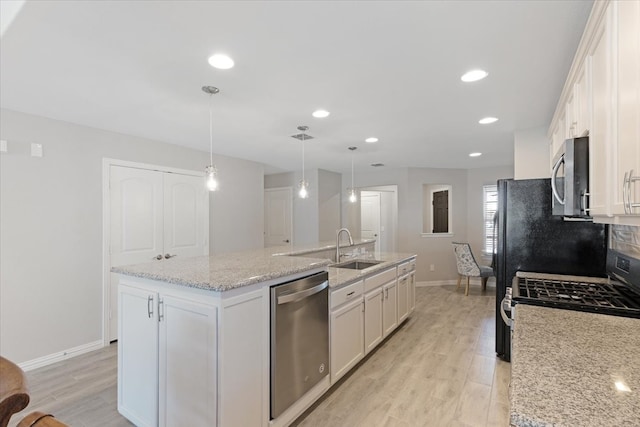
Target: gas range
{"points": [[590, 294]]}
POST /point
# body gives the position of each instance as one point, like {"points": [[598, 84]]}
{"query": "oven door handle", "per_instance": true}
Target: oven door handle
{"points": [[297, 296], [505, 318]]}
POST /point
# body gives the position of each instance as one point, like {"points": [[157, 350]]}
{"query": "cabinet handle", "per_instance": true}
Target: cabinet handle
{"points": [[554, 176], [584, 207], [158, 257], [387, 293], [150, 306], [382, 295], [350, 294], [624, 193], [160, 309], [167, 256], [363, 306], [632, 204]]}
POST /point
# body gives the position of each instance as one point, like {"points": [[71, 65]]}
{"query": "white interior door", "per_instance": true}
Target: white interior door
{"points": [[370, 216], [277, 217], [186, 216]]}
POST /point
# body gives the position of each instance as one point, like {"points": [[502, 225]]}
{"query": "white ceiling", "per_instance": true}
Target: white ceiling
{"points": [[389, 69]]}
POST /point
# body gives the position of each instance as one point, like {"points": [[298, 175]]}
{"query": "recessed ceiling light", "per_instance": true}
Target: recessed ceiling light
{"points": [[474, 75], [320, 113], [475, 154], [220, 61], [371, 140], [487, 120]]}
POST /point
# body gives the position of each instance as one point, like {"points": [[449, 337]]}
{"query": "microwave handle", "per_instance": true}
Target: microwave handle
{"points": [[554, 176]]}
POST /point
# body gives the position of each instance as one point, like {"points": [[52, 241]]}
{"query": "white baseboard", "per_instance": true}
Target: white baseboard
{"points": [[62, 355], [437, 283]]}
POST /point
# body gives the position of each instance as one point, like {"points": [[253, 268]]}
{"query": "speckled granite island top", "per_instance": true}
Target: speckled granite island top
{"points": [[222, 272], [570, 368]]}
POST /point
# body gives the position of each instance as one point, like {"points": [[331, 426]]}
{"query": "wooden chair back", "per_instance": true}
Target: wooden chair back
{"points": [[14, 396]]}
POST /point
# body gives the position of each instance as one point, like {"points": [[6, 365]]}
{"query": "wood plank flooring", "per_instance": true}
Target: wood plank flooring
{"points": [[438, 369]]}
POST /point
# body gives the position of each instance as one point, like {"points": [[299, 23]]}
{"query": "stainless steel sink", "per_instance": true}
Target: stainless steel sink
{"points": [[357, 265]]}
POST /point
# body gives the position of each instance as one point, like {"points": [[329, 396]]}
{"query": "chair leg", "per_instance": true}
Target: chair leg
{"points": [[484, 283], [466, 291], [459, 279]]}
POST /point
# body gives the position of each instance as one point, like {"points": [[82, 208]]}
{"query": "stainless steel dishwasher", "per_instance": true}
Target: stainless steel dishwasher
{"points": [[299, 339]]}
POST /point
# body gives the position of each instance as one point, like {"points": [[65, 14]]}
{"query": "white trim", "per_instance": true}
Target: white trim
{"points": [[106, 227], [437, 235], [60, 356]]}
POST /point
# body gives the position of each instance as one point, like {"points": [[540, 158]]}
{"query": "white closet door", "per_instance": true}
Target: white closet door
{"points": [[136, 215], [186, 215]]}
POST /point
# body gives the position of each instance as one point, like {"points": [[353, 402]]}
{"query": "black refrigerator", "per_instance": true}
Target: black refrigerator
{"points": [[530, 238]]}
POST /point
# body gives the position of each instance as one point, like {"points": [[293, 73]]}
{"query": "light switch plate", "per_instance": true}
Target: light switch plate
{"points": [[3, 146], [36, 150]]}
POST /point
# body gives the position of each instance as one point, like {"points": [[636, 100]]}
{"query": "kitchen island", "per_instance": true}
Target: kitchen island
{"points": [[571, 368], [194, 334]]}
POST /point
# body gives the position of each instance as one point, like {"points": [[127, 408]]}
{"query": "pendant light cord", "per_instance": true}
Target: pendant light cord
{"points": [[352, 188], [302, 157], [210, 130]]}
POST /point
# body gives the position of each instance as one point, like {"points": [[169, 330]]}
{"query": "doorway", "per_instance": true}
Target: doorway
{"points": [[278, 210], [378, 216]]}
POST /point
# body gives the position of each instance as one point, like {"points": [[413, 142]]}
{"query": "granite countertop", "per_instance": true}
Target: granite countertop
{"points": [[223, 272], [570, 368]]}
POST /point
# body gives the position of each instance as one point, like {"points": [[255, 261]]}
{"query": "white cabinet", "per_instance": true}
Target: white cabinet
{"points": [[138, 356], [167, 359], [373, 332], [390, 307], [606, 73], [403, 298], [347, 337]]}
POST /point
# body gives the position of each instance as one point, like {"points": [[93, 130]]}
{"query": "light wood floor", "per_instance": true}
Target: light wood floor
{"points": [[438, 369]]}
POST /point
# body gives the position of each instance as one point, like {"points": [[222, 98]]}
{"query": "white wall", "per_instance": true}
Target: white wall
{"points": [[317, 217], [531, 154], [51, 226]]}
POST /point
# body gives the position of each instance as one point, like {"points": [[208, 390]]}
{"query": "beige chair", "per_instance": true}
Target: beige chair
{"points": [[468, 267]]}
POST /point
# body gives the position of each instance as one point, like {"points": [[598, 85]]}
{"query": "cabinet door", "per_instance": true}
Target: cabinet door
{"points": [[412, 292], [403, 298], [347, 338], [186, 215], [138, 355], [626, 155], [373, 319], [600, 61], [390, 307], [188, 363]]}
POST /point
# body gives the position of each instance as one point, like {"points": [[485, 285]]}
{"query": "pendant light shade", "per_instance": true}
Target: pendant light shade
{"points": [[211, 170], [353, 197]]}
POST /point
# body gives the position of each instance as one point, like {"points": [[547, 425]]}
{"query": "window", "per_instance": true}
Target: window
{"points": [[490, 206]]}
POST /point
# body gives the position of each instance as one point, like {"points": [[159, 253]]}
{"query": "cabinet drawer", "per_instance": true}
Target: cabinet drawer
{"points": [[379, 279], [348, 293], [406, 267]]}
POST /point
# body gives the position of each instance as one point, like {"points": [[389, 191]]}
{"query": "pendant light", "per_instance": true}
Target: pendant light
{"points": [[211, 171], [303, 187], [352, 192]]}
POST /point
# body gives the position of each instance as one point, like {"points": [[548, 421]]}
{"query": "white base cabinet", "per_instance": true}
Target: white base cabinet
{"points": [[167, 359], [347, 337], [373, 332]]}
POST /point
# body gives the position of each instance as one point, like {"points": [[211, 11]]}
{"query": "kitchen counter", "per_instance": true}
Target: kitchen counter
{"points": [[570, 368], [223, 272]]}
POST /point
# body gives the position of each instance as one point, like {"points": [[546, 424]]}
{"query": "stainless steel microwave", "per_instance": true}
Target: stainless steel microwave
{"points": [[570, 179]]}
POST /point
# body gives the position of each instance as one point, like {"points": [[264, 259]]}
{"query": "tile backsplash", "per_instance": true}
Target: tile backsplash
{"points": [[625, 239]]}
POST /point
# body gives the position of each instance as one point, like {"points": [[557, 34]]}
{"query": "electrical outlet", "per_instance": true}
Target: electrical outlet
{"points": [[3, 146], [432, 267]]}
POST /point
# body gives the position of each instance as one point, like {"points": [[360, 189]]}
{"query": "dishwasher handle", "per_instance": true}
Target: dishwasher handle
{"points": [[300, 295]]}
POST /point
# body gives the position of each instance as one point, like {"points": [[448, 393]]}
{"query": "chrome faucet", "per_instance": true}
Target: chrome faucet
{"points": [[338, 242]]}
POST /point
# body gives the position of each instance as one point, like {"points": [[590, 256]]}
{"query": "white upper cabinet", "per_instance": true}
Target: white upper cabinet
{"points": [[601, 99]]}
